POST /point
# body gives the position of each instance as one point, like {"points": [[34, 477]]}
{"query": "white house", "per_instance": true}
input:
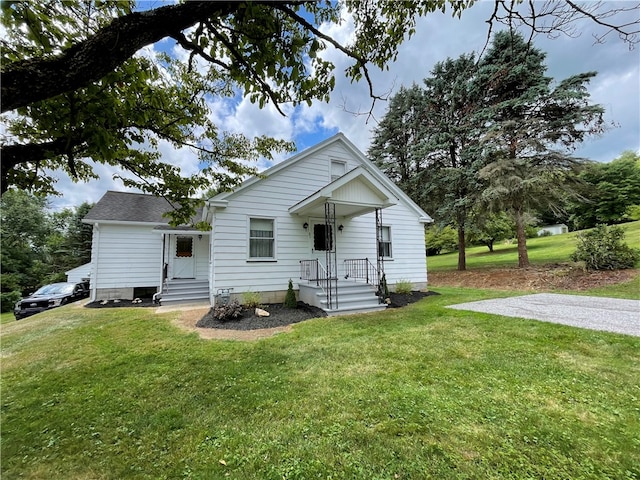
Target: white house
{"points": [[553, 229], [327, 218], [79, 274]]}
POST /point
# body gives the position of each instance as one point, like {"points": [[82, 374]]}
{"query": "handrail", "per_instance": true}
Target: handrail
{"points": [[361, 269], [313, 271]]}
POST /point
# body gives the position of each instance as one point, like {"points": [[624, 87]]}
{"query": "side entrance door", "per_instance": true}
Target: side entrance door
{"points": [[184, 259]]}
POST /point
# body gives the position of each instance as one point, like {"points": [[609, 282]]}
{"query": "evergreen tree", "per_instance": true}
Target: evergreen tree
{"points": [[427, 142], [531, 129]]}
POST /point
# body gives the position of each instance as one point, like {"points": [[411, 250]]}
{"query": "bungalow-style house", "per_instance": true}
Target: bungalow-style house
{"points": [[326, 218]]}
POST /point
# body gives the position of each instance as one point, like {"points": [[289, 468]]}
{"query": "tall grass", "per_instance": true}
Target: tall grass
{"points": [[420, 392]]}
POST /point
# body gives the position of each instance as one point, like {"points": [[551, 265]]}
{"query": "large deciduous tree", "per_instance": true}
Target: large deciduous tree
{"points": [[531, 129], [78, 93], [611, 190]]}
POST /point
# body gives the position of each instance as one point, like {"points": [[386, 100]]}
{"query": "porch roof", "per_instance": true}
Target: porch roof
{"points": [[356, 193]]}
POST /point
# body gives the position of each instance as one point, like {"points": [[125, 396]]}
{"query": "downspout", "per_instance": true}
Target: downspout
{"points": [[212, 263], [95, 260], [162, 270]]}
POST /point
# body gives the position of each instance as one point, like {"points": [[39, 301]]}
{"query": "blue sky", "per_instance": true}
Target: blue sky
{"points": [[438, 36]]}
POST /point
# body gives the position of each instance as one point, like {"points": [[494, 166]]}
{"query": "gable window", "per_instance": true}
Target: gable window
{"points": [[338, 169], [322, 237], [384, 246], [261, 238], [184, 247]]}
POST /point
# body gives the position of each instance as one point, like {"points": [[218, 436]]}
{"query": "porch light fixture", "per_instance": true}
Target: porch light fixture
{"points": [[200, 237], [305, 226], [341, 227]]}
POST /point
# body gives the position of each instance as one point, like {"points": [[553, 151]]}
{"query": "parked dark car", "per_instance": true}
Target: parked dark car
{"points": [[49, 296]]}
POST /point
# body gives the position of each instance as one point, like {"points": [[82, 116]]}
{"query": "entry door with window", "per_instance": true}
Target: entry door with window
{"points": [[184, 260], [322, 238]]}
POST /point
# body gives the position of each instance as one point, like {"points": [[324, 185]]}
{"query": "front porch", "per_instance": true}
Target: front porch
{"points": [[356, 287], [330, 281]]}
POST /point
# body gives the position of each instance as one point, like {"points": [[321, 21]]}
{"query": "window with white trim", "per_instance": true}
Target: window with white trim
{"points": [[384, 246], [261, 238], [338, 169]]}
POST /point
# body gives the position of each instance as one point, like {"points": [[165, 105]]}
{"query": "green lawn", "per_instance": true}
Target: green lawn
{"points": [[553, 249], [416, 393]]}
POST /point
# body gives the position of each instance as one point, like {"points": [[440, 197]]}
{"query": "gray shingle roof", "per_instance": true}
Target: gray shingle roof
{"points": [[131, 207]]}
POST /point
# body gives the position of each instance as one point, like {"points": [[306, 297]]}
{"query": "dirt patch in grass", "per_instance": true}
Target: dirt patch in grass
{"points": [[535, 278]]}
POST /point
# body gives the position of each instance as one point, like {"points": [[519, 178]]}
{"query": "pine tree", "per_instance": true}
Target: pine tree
{"points": [[531, 129]]}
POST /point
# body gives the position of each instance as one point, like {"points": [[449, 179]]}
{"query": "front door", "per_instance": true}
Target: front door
{"points": [[184, 260]]}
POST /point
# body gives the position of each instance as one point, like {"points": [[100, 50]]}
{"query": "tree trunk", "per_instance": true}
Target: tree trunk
{"points": [[462, 257], [490, 244], [523, 256]]}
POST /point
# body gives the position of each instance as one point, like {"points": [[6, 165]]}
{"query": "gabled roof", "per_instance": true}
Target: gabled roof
{"points": [[355, 193], [222, 199], [130, 207]]}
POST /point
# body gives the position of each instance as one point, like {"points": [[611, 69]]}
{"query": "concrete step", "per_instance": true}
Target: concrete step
{"points": [[352, 298], [185, 291]]}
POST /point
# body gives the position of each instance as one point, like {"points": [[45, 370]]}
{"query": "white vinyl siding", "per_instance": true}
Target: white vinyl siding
{"points": [[272, 197], [127, 256]]}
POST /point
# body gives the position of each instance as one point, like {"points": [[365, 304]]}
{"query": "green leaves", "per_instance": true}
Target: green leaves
{"points": [[270, 53]]}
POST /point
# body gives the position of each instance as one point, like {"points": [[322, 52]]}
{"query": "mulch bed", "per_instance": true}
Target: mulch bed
{"points": [[280, 316], [146, 302]]}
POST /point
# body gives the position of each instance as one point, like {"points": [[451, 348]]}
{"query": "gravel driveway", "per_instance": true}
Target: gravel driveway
{"points": [[596, 313]]}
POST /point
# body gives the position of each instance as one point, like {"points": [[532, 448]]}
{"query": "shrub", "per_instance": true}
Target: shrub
{"points": [[251, 299], [8, 300], [438, 239], [290, 299], [226, 312], [404, 286], [603, 248]]}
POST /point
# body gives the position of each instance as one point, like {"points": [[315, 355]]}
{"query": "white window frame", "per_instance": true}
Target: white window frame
{"points": [[390, 242], [275, 249], [336, 162]]}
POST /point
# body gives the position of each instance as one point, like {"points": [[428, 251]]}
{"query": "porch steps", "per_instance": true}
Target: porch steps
{"points": [[185, 291], [352, 298]]}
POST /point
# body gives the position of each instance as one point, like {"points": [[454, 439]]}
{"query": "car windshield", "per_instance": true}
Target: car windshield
{"points": [[55, 289]]}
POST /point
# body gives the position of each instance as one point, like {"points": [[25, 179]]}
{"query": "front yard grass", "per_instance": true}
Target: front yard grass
{"points": [[541, 250], [419, 392]]}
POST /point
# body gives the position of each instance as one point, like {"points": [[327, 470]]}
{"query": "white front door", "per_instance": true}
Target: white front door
{"points": [[184, 259]]}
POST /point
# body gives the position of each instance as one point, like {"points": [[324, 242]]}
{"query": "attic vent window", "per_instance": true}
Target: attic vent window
{"points": [[338, 169]]}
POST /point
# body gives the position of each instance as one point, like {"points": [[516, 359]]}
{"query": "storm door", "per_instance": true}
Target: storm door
{"points": [[184, 260]]}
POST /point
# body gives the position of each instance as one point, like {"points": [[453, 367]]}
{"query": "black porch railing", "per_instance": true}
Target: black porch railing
{"points": [[361, 269]]}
